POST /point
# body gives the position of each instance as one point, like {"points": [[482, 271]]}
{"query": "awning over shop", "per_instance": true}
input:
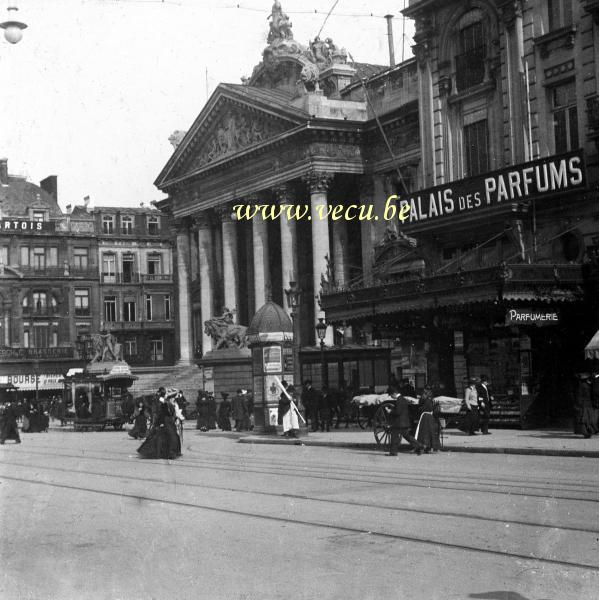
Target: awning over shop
{"points": [[32, 382], [592, 348]]}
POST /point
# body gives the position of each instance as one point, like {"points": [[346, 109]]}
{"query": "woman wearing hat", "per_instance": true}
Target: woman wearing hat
{"points": [[585, 421], [224, 413], [471, 404]]}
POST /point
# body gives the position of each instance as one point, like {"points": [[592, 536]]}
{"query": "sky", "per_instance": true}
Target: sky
{"points": [[95, 87]]}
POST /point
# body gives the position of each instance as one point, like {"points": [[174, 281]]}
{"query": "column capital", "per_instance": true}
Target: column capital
{"points": [[510, 11], [225, 213], [318, 181], [181, 225], [367, 187], [284, 194], [203, 220]]}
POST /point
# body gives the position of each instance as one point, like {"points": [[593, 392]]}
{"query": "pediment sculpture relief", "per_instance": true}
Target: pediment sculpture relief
{"points": [[235, 132]]}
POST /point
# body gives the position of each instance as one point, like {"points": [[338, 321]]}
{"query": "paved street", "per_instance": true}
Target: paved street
{"points": [[83, 517]]}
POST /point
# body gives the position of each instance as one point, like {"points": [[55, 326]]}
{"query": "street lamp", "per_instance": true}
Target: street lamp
{"points": [[13, 28], [321, 332], [293, 294]]}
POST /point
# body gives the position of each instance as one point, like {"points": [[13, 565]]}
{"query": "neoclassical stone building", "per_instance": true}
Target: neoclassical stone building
{"points": [[299, 131]]}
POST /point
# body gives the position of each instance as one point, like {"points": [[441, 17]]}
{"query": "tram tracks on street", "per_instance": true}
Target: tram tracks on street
{"points": [[306, 497], [445, 482], [300, 522]]}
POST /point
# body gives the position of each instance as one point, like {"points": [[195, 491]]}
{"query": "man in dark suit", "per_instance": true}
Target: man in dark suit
{"points": [[311, 400], [401, 424], [484, 404], [8, 424]]}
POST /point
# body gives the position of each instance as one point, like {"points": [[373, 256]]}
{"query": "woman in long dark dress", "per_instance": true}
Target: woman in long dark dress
{"points": [[224, 413], [140, 423], [203, 410], [585, 422], [427, 432], [163, 440], [211, 411]]}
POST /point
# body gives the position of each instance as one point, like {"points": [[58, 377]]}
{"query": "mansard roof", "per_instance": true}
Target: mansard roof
{"points": [[19, 195]]}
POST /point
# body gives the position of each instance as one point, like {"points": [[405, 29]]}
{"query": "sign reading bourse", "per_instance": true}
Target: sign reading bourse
{"points": [[527, 181], [23, 226]]}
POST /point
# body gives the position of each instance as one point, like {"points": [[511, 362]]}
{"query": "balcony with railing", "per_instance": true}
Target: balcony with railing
{"points": [[157, 278], [120, 278], [40, 311], [153, 325]]}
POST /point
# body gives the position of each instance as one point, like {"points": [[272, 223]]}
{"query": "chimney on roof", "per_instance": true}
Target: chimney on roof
{"points": [[390, 36], [50, 185], [86, 203], [4, 171]]}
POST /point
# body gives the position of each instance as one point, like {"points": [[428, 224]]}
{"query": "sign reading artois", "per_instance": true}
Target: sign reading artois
{"points": [[546, 176]]}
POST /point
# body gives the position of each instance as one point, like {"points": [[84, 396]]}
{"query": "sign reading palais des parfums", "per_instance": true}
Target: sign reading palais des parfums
{"points": [[22, 226], [542, 177]]}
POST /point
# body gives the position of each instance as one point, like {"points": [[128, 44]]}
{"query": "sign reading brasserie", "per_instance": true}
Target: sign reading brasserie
{"points": [[32, 353], [21, 226], [554, 174]]}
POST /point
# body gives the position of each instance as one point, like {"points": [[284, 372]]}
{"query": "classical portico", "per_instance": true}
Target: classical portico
{"points": [[287, 136]]}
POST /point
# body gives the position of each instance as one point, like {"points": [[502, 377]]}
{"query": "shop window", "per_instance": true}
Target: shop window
{"points": [[80, 258], [4, 255], [154, 264], [107, 224], [153, 225], [167, 308], [39, 258], [560, 13], [52, 256], [108, 265], [82, 302], [470, 62], [127, 225], [157, 349], [110, 308], [129, 310], [148, 307], [476, 148], [128, 268], [571, 246], [565, 117], [130, 347]]}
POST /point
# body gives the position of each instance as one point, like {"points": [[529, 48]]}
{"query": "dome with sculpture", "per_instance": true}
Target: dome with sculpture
{"points": [[270, 324]]}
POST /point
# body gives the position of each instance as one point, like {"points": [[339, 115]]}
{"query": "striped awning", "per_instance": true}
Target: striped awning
{"points": [[592, 348]]}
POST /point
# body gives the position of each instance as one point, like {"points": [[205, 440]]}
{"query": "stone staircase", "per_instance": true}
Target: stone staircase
{"points": [[187, 378], [505, 412]]}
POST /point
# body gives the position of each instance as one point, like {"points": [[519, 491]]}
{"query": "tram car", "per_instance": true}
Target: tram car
{"points": [[101, 399]]}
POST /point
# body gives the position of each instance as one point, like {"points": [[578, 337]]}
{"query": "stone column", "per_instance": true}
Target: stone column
{"points": [[203, 222], [230, 266], [367, 232], [184, 298], [289, 266], [340, 257], [319, 183], [261, 266]]}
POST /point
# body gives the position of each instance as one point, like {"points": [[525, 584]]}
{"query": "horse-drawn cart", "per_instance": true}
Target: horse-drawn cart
{"points": [[380, 409]]}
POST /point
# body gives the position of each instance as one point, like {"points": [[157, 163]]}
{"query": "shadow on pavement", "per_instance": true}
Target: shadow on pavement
{"points": [[500, 595]]}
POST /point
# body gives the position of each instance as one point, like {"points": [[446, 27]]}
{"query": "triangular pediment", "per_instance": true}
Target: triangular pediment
{"points": [[237, 119]]}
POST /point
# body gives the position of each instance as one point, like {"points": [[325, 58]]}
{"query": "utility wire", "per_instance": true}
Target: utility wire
{"points": [[327, 18]]}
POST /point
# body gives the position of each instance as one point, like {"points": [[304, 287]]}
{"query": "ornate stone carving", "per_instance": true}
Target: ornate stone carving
{"points": [[280, 25], [318, 181], [203, 220], [106, 347], [176, 138], [225, 212], [284, 194], [510, 11], [236, 131], [224, 332]]}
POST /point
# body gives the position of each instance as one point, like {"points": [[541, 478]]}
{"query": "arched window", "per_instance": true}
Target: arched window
{"points": [[471, 50]]}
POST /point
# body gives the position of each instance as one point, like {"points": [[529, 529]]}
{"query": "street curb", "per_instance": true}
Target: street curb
{"points": [[304, 441]]}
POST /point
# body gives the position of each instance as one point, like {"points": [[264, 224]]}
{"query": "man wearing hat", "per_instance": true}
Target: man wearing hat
{"points": [[401, 423], [484, 404], [471, 404]]}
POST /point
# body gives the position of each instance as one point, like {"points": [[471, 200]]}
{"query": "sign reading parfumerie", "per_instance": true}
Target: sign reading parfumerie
{"points": [[543, 177]]}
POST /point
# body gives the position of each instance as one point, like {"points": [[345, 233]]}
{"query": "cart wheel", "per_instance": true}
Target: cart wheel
{"points": [[382, 424], [362, 416], [117, 426]]}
